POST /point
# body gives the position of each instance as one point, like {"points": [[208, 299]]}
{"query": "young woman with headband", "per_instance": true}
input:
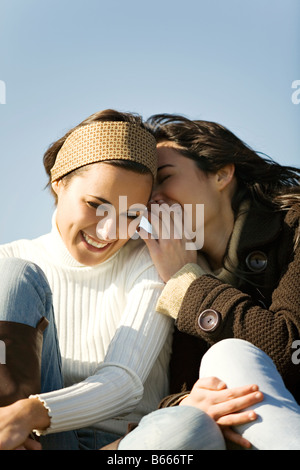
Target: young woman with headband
{"points": [[103, 290]]}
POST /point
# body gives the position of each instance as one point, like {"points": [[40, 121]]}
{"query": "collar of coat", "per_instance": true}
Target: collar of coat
{"points": [[254, 228]]}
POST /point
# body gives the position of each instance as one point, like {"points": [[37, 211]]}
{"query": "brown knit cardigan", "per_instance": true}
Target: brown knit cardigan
{"points": [[262, 307]]}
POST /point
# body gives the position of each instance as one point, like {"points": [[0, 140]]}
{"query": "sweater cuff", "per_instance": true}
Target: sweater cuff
{"points": [[170, 300], [77, 406]]}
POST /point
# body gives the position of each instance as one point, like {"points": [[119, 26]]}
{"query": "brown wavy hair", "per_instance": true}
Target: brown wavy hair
{"points": [[105, 115], [212, 146]]}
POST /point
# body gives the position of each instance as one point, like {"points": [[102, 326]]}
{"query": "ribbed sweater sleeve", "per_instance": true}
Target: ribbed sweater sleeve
{"points": [[117, 385]]}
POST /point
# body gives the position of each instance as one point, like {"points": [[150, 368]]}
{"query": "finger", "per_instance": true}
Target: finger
{"points": [[167, 221], [236, 438], [155, 219], [176, 217], [144, 234], [238, 418], [152, 245], [234, 393], [152, 218], [236, 404], [32, 444]]}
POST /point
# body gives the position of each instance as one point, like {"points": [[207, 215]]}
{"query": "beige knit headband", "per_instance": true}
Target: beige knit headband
{"points": [[102, 141]]}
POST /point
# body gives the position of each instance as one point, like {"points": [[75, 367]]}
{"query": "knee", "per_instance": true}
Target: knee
{"points": [[22, 284], [229, 344], [228, 348], [12, 264], [18, 271], [179, 428], [231, 354], [194, 429]]}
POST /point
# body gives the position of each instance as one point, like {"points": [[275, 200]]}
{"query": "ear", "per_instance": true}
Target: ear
{"points": [[56, 186], [225, 176]]}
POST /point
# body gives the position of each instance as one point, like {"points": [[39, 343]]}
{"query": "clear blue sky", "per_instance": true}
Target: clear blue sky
{"points": [[231, 61]]}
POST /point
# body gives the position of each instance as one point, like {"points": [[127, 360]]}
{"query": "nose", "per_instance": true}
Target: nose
{"points": [[106, 229], [157, 194]]}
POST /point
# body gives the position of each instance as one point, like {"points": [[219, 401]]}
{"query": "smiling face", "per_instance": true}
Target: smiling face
{"points": [[180, 181], [77, 220]]}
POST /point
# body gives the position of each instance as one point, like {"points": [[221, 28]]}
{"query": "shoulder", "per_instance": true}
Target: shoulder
{"points": [[136, 251], [137, 262], [20, 248], [292, 216], [13, 248], [292, 225]]}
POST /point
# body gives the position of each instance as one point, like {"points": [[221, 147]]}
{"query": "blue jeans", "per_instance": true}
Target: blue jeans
{"points": [[237, 363], [175, 428], [25, 297]]}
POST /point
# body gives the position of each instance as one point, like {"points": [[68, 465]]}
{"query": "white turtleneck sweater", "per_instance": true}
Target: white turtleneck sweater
{"points": [[115, 347]]}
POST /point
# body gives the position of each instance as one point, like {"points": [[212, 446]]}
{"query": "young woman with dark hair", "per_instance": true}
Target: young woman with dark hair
{"points": [[235, 299]]}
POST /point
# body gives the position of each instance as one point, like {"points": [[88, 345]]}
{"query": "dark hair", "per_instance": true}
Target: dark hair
{"points": [[105, 115], [212, 146]]}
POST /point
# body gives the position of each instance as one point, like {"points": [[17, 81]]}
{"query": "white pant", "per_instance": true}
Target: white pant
{"points": [[237, 363]]}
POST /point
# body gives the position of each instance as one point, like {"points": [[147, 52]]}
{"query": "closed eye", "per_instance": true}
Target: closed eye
{"points": [[94, 205], [161, 180]]}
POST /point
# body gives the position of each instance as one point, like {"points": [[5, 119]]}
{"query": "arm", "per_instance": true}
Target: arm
{"points": [[192, 290], [117, 385], [243, 318], [240, 315]]}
